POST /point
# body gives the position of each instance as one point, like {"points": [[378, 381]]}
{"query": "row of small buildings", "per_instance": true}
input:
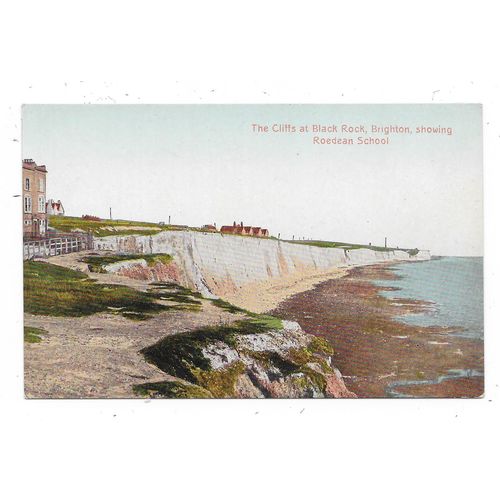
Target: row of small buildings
{"points": [[240, 229], [35, 205]]}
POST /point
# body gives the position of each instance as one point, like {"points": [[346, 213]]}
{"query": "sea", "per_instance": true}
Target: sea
{"points": [[454, 285]]}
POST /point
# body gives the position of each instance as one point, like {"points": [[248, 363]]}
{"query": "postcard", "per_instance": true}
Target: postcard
{"points": [[253, 251]]}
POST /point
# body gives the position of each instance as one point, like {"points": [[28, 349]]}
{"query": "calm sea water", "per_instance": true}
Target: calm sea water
{"points": [[453, 284]]}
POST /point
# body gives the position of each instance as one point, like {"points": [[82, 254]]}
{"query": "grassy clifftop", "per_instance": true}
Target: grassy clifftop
{"points": [[349, 246], [103, 227], [58, 291]]}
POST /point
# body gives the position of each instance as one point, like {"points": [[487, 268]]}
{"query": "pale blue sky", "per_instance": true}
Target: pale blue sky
{"points": [[203, 164]]}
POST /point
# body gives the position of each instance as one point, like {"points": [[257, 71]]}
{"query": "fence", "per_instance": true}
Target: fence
{"points": [[57, 245]]}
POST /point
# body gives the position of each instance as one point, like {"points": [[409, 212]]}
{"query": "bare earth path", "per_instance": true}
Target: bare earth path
{"points": [[98, 356]]}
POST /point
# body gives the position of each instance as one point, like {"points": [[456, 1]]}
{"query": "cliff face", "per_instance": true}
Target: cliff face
{"points": [[210, 262], [251, 358]]}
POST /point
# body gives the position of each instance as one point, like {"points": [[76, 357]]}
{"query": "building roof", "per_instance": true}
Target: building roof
{"points": [[29, 164], [238, 229]]}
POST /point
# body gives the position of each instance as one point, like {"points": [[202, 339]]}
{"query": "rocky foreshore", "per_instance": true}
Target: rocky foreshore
{"points": [[378, 355]]}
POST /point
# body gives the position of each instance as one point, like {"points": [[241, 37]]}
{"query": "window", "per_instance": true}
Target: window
{"points": [[27, 184], [27, 204], [40, 185], [41, 204]]}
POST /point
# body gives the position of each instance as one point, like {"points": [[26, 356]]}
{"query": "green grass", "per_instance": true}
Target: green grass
{"points": [[110, 227], [220, 383], [58, 291], [326, 244], [175, 293], [271, 322], [103, 227], [228, 306], [32, 334], [349, 246], [98, 262], [181, 354]]}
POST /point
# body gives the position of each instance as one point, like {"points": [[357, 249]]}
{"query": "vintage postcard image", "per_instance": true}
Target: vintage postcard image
{"points": [[253, 251]]}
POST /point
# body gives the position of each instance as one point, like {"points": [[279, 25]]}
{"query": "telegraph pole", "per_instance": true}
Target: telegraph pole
{"points": [[110, 215]]}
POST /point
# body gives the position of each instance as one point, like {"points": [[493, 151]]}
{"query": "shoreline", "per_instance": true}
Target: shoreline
{"points": [[263, 296], [377, 354]]}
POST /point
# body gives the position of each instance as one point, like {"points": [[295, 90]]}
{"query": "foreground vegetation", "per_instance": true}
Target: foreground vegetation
{"points": [[181, 355], [97, 263], [32, 334], [58, 291]]}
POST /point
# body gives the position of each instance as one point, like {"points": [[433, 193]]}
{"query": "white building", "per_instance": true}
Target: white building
{"points": [[55, 207]]}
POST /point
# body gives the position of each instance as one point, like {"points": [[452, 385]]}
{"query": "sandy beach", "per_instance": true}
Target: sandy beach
{"points": [[261, 296]]}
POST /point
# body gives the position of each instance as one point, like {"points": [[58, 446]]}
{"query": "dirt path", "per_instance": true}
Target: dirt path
{"points": [[98, 356], [72, 261]]}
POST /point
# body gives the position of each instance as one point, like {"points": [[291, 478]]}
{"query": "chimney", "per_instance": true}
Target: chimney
{"points": [[241, 223], [234, 224]]}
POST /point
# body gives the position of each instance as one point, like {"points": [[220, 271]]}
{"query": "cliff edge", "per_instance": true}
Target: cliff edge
{"points": [[220, 265]]}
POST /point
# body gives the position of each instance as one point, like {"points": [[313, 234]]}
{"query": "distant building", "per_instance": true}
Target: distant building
{"points": [[34, 208], [209, 228], [54, 207], [240, 229]]}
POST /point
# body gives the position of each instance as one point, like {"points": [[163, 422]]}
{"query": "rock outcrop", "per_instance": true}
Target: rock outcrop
{"points": [[247, 359], [141, 270]]}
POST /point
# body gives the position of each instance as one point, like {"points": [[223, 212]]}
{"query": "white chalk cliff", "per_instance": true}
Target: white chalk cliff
{"points": [[210, 262]]}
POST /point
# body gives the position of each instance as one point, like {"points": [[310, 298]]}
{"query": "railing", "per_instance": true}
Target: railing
{"points": [[57, 244]]}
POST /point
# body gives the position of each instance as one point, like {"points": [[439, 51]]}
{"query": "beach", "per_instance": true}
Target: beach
{"points": [[262, 296], [378, 355]]}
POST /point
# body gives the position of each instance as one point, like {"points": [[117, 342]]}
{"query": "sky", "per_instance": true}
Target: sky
{"points": [[204, 164]]}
